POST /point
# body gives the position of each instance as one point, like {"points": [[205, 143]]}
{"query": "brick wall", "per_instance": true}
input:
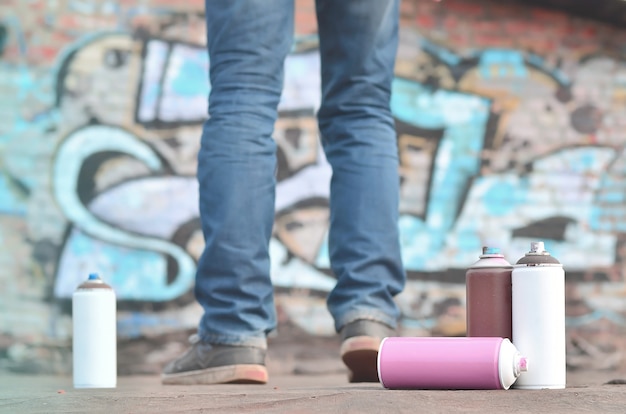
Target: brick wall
{"points": [[511, 128]]}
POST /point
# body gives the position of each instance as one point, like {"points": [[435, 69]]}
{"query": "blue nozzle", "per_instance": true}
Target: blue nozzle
{"points": [[491, 250], [93, 276]]}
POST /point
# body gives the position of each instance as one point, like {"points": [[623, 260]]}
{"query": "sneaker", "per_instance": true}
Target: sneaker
{"points": [[359, 348], [216, 364]]}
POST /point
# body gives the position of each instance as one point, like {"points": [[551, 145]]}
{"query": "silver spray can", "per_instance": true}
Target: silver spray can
{"points": [[538, 313], [94, 335]]}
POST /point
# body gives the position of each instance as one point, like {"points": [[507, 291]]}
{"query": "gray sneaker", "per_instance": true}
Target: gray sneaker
{"points": [[359, 348], [216, 364]]}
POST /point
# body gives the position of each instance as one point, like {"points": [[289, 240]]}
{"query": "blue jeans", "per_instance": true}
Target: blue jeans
{"points": [[248, 41]]}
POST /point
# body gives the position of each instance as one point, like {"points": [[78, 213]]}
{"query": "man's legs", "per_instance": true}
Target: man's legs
{"points": [[358, 43], [247, 42]]}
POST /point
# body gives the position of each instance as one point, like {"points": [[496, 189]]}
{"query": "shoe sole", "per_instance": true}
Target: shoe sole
{"points": [[360, 354], [228, 374]]}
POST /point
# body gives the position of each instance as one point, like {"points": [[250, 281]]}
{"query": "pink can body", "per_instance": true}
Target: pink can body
{"points": [[448, 363]]}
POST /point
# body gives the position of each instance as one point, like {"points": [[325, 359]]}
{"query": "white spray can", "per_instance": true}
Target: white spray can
{"points": [[538, 318], [94, 335]]}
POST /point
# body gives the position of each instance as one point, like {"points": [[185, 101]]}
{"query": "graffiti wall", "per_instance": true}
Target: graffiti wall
{"points": [[511, 125]]}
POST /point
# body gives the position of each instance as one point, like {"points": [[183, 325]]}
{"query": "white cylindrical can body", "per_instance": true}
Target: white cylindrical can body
{"points": [[94, 338], [538, 316]]}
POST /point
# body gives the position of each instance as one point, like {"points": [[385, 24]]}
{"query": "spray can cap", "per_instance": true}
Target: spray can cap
{"points": [[490, 257], [537, 256], [491, 251], [94, 277], [511, 363], [93, 282], [522, 363]]}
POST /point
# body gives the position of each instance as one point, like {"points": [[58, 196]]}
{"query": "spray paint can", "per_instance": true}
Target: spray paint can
{"points": [[449, 363], [538, 283], [488, 296], [94, 335]]}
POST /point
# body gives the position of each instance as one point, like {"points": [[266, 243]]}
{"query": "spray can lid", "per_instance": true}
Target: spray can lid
{"points": [[491, 257], [537, 256], [511, 363], [93, 282]]}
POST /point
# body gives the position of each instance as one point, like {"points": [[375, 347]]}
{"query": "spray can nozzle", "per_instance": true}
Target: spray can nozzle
{"points": [[490, 250], [93, 276], [521, 364], [537, 248]]}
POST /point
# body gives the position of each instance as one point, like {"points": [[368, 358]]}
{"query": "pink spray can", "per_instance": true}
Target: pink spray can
{"points": [[451, 363]]}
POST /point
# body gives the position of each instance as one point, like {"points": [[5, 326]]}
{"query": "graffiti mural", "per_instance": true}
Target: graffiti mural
{"points": [[501, 141]]}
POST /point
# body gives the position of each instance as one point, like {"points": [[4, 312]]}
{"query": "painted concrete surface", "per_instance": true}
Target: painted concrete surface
{"points": [[587, 392]]}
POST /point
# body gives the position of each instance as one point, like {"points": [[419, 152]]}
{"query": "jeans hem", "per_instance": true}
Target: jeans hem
{"points": [[371, 315]]}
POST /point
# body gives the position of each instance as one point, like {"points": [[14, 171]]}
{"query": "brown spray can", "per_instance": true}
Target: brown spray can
{"points": [[488, 296]]}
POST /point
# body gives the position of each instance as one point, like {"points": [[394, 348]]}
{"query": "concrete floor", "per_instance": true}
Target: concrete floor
{"points": [[587, 392]]}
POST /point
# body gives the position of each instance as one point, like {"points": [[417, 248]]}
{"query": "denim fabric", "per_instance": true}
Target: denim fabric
{"points": [[248, 41]]}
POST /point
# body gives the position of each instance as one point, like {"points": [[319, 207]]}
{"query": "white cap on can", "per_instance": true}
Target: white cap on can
{"points": [[511, 363]]}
